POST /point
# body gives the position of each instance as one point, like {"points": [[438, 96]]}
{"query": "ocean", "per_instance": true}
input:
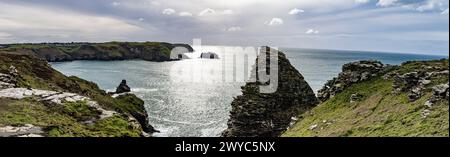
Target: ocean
{"points": [[192, 97]]}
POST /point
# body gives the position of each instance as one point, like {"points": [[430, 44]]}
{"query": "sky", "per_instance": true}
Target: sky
{"points": [[405, 26]]}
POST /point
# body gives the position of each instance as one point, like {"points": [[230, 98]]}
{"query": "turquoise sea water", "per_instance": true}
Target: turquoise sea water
{"points": [[192, 97]]}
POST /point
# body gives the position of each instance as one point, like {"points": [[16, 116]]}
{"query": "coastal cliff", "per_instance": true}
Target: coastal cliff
{"points": [[369, 99], [36, 100], [58, 52], [255, 114]]}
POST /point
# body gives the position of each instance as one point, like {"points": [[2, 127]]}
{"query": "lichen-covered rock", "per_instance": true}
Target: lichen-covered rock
{"points": [[27, 130], [257, 114], [440, 92], [355, 97], [351, 73]]}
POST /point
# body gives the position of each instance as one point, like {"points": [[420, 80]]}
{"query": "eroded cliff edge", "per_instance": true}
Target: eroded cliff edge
{"points": [[256, 114]]}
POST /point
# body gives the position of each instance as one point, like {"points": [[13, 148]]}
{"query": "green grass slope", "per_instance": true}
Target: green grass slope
{"points": [[68, 119]]}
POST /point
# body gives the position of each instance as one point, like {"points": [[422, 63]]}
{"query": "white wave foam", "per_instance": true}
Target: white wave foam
{"points": [[181, 122], [144, 90]]}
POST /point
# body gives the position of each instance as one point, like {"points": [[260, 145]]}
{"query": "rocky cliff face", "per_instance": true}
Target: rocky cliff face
{"points": [[255, 114], [351, 73], [57, 52]]}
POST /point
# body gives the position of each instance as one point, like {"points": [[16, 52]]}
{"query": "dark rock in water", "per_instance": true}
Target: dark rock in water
{"points": [[209, 55], [258, 113], [351, 73], [123, 87]]}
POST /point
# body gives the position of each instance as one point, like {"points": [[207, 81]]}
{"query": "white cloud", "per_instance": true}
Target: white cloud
{"points": [[16, 19], [234, 29], [275, 22], [168, 11], [207, 12], [4, 35], [228, 12], [115, 4], [362, 1], [419, 5], [386, 3], [445, 12], [141, 19], [296, 11], [184, 14], [429, 5], [312, 31]]}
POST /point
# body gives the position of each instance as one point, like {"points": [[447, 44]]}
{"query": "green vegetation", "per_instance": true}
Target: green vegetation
{"points": [[68, 119], [154, 51], [380, 113], [80, 111]]}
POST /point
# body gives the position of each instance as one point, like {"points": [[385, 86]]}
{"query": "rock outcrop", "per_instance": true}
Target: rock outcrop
{"points": [[413, 83], [58, 52], [209, 55], [351, 73], [123, 87], [27, 130], [418, 80], [258, 114]]}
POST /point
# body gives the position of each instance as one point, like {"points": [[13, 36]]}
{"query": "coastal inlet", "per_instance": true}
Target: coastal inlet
{"points": [[201, 106]]}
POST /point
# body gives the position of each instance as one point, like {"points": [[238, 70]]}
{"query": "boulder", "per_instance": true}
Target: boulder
{"points": [[263, 114], [355, 98]]}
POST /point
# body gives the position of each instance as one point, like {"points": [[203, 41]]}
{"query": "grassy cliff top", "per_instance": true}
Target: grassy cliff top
{"points": [[67, 119], [380, 112]]}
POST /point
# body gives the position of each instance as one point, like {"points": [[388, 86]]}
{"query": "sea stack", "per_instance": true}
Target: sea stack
{"points": [[123, 87], [259, 114]]}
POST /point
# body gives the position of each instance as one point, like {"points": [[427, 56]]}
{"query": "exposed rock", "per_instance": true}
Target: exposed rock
{"points": [[53, 97], [27, 130], [351, 73], [260, 114], [440, 92], [123, 87], [9, 80], [312, 127], [13, 71], [355, 97], [137, 109], [412, 83], [426, 113]]}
